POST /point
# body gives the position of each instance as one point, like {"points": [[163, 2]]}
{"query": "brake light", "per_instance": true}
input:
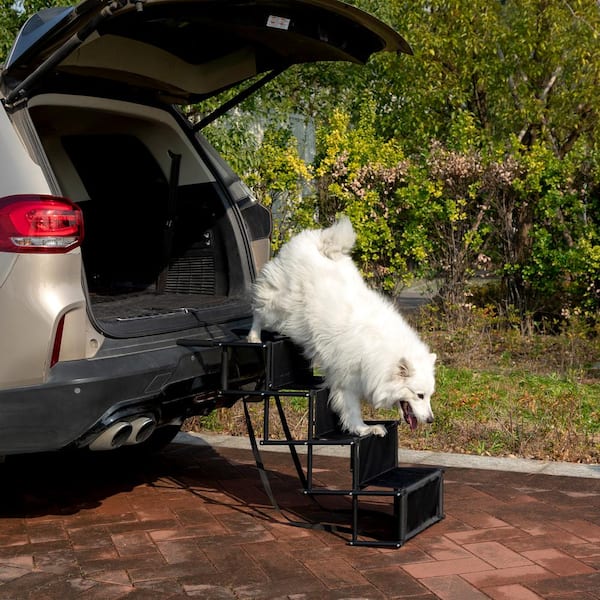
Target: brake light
{"points": [[39, 223]]}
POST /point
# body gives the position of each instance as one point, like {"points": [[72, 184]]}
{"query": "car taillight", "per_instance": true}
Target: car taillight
{"points": [[39, 223]]}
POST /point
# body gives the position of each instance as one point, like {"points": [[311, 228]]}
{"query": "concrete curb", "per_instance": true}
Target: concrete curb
{"points": [[440, 459]]}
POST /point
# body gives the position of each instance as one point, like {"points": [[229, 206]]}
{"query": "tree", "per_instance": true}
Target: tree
{"points": [[362, 175], [525, 73]]}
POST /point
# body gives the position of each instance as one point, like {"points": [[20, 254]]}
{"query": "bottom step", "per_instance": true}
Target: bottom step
{"points": [[417, 494]]}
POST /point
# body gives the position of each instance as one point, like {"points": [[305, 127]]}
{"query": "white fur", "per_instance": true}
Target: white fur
{"points": [[313, 293]]}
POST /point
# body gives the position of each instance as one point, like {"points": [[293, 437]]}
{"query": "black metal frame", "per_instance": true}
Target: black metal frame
{"points": [[417, 492]]}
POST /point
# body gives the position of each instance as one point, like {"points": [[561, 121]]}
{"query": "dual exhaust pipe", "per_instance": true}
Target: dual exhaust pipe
{"points": [[124, 433]]}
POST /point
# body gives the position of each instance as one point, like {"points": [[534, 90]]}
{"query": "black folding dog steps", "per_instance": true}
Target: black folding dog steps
{"points": [[374, 475]]}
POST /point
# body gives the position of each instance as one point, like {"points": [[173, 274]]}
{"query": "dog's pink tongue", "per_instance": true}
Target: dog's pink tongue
{"points": [[409, 416]]}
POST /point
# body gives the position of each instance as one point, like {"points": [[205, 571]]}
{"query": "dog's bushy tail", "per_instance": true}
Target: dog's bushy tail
{"points": [[337, 241]]}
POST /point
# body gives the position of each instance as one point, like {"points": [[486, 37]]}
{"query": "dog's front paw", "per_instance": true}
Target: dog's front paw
{"points": [[378, 430], [253, 338]]}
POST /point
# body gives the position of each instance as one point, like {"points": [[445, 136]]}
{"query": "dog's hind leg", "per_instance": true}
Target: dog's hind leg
{"points": [[346, 404], [255, 330]]}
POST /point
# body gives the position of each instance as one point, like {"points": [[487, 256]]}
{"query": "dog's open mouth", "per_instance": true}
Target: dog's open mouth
{"points": [[408, 414]]}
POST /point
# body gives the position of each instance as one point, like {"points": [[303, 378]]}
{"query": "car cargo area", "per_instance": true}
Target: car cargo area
{"points": [[158, 236]]}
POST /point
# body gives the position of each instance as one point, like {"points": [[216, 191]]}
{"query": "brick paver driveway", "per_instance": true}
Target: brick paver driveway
{"points": [[194, 521]]}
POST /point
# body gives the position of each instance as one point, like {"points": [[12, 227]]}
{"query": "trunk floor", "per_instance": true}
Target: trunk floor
{"points": [[144, 305]]}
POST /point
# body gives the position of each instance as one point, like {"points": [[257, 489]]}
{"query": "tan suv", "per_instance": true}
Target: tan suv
{"points": [[122, 232]]}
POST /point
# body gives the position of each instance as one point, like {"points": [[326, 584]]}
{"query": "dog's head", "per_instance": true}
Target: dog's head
{"points": [[410, 388]]}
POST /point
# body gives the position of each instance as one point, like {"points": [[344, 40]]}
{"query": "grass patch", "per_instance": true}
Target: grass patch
{"points": [[513, 414]]}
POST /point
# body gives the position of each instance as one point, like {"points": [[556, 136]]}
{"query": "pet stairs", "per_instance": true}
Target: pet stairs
{"points": [[416, 492]]}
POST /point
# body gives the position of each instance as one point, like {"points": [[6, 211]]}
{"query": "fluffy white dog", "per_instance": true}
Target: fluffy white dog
{"points": [[312, 292]]}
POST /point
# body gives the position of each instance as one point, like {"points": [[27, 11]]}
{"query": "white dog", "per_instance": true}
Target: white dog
{"points": [[313, 293]]}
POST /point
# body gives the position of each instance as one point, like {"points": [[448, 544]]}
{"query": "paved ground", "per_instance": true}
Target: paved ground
{"points": [[194, 522]]}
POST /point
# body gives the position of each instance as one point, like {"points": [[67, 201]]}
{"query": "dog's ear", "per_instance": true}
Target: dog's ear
{"points": [[404, 368]]}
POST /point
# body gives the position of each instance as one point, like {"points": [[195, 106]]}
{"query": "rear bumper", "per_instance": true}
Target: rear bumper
{"points": [[83, 398]]}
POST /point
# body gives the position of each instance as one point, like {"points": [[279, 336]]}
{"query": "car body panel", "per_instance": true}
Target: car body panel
{"points": [[31, 309], [19, 173]]}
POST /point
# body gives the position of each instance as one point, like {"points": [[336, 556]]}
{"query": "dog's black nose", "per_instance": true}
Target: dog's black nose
{"points": [[430, 419]]}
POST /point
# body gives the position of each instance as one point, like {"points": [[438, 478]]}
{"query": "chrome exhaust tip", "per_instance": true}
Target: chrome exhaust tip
{"points": [[141, 429], [113, 437]]}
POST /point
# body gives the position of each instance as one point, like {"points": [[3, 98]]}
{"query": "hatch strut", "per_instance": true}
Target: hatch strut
{"points": [[240, 97], [60, 53], [169, 225]]}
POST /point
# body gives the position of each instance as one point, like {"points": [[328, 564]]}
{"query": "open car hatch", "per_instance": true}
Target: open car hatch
{"points": [[184, 51]]}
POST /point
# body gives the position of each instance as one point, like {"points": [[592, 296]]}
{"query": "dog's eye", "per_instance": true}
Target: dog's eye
{"points": [[421, 396]]}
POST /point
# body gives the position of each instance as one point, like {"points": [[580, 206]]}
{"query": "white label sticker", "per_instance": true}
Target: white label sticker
{"points": [[278, 22]]}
